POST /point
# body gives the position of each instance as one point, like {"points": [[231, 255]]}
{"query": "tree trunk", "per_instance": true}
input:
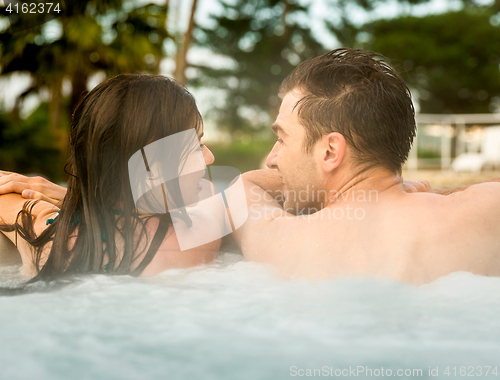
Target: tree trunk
{"points": [[79, 86], [496, 6], [55, 114], [287, 10], [183, 47]]}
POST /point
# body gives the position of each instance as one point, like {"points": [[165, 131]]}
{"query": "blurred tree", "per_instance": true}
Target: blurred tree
{"points": [[264, 40], [451, 59], [340, 23], [183, 45], [26, 145], [108, 35]]}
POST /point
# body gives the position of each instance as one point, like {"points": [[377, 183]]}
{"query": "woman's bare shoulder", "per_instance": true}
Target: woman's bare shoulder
{"points": [[170, 255]]}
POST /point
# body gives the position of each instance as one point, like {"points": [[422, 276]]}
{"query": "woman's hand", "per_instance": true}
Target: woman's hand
{"points": [[417, 186], [31, 187]]}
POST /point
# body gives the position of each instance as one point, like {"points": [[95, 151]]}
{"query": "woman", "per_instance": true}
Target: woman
{"points": [[96, 227]]}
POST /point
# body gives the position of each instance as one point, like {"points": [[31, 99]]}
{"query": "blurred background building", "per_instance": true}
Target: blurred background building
{"points": [[233, 54]]}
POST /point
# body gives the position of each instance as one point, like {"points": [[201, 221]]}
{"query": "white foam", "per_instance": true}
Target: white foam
{"points": [[239, 320]]}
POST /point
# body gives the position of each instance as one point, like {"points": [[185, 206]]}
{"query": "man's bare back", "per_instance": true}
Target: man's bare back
{"points": [[411, 237]]}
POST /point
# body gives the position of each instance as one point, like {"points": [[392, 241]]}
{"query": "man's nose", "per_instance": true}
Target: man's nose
{"points": [[208, 156], [272, 158]]}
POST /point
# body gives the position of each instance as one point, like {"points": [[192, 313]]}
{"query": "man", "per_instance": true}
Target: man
{"points": [[345, 128]]}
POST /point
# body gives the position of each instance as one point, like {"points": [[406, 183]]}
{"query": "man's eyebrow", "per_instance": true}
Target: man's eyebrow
{"points": [[277, 128]]}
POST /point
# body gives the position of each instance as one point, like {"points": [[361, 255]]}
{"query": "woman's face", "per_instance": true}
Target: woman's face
{"points": [[192, 184], [192, 158]]}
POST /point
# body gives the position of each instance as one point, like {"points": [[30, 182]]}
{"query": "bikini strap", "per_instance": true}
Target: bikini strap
{"points": [[153, 248]]}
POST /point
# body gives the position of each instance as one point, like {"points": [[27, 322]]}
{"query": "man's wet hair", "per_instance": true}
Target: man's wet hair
{"points": [[360, 95]]}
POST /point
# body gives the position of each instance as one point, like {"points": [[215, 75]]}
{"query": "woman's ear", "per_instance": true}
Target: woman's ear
{"points": [[332, 149]]}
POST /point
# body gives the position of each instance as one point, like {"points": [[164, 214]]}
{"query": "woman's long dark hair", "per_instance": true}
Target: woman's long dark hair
{"points": [[112, 122]]}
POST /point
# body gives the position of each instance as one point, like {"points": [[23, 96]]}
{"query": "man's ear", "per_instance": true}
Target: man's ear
{"points": [[331, 151]]}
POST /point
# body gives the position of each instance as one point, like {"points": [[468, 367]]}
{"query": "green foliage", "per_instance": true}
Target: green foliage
{"points": [[243, 154], [451, 59], [265, 41], [428, 153], [28, 145], [340, 23], [95, 35], [110, 36]]}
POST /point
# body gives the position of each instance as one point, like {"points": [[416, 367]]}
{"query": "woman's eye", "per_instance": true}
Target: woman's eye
{"points": [[279, 140]]}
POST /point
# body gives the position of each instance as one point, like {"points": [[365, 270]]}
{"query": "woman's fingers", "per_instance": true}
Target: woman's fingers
{"points": [[417, 186], [31, 194], [41, 188], [9, 185], [410, 189], [16, 183]]}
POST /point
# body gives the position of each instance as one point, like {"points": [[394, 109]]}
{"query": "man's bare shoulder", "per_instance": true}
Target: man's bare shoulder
{"points": [[485, 189], [482, 198], [480, 203], [416, 205], [472, 214], [478, 195]]}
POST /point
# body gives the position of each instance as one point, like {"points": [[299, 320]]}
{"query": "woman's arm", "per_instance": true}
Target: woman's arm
{"points": [[448, 191], [267, 179], [31, 187]]}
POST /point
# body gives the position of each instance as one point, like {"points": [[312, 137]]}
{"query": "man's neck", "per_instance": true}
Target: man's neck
{"points": [[348, 188]]}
